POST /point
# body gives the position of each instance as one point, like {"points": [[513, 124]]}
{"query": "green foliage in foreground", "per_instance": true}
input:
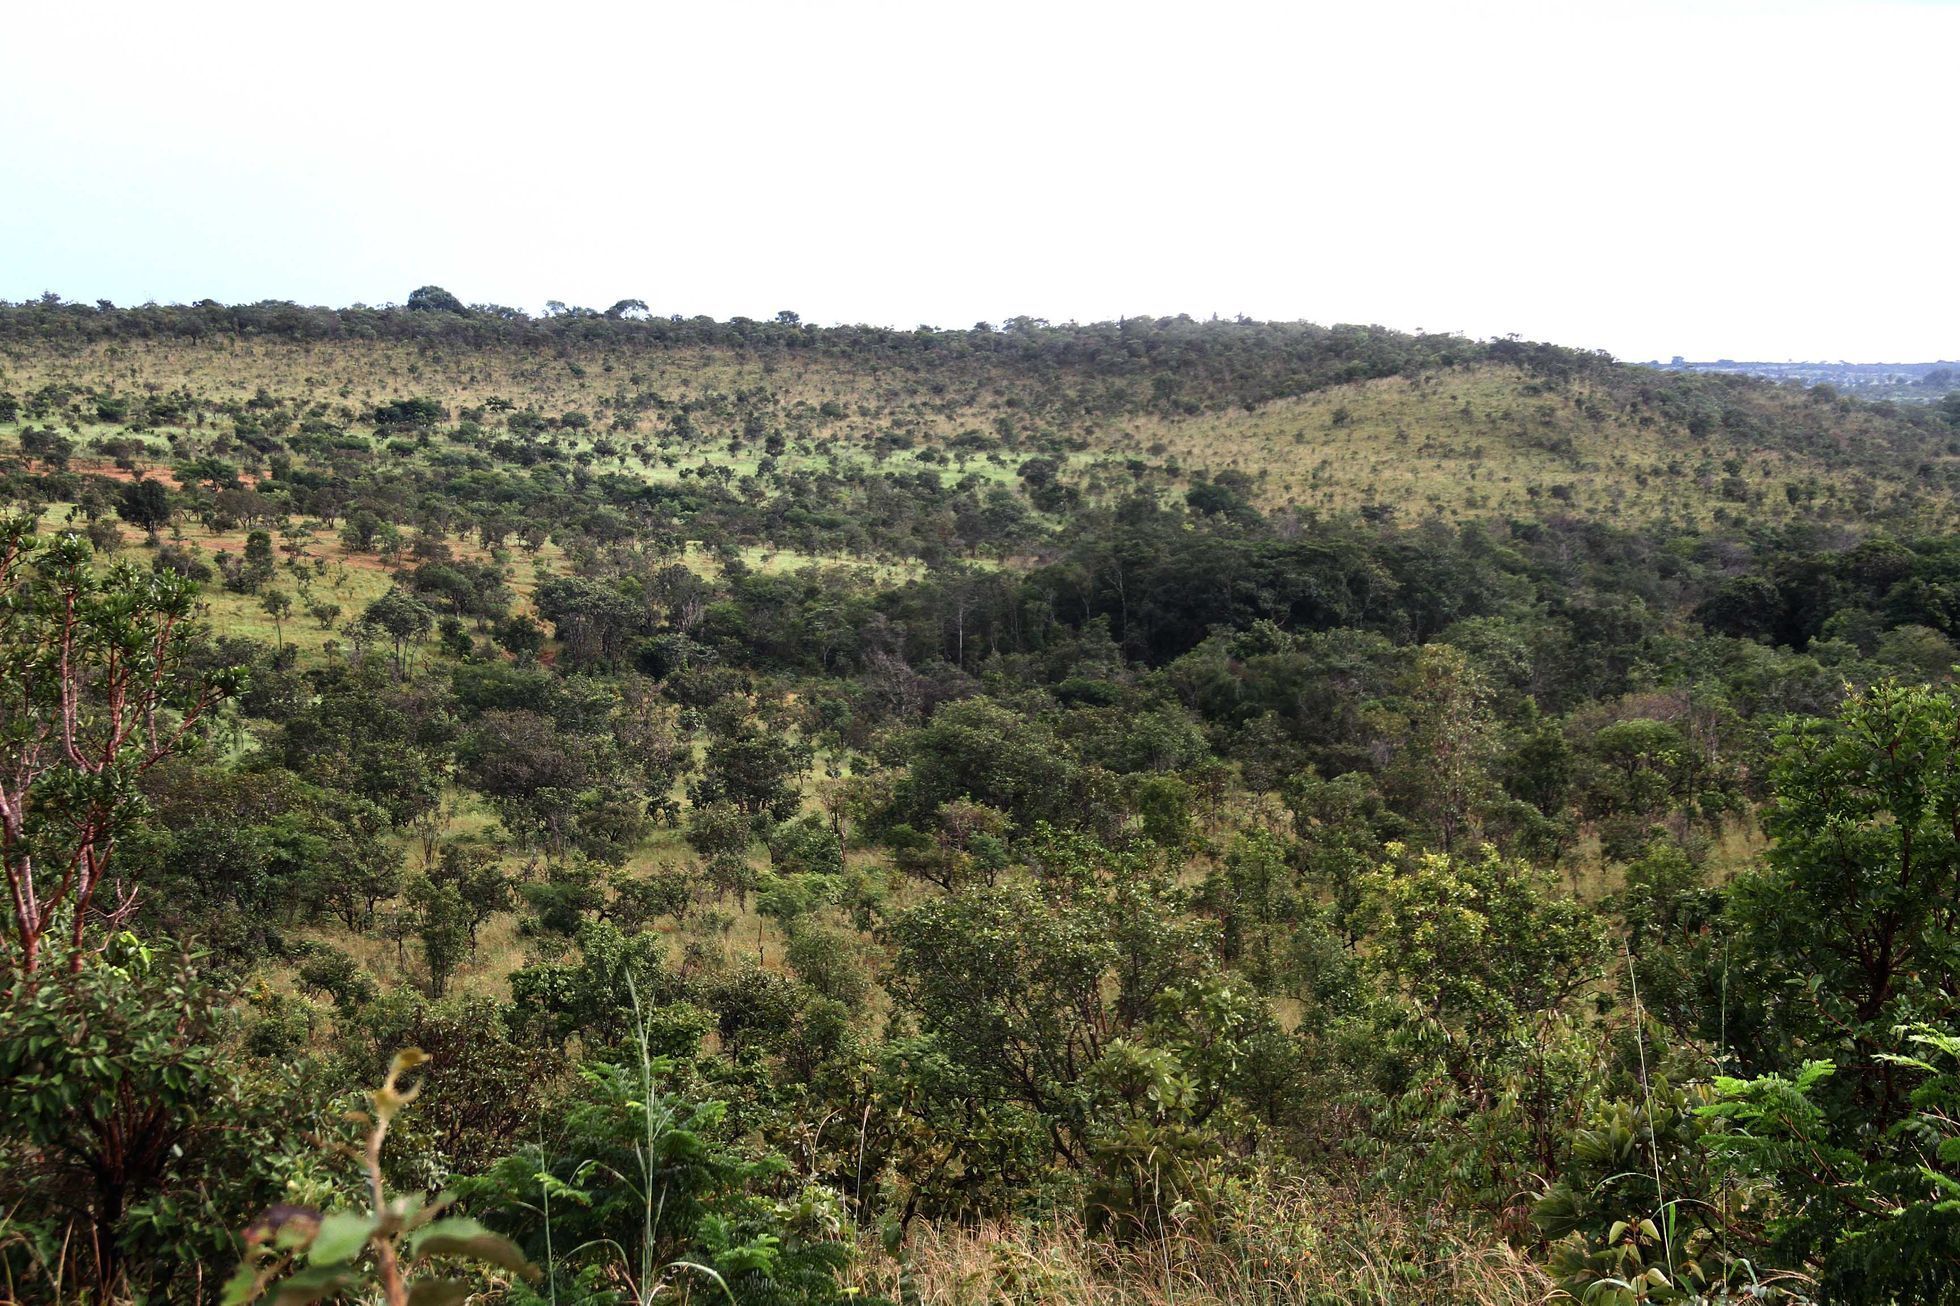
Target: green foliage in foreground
{"points": [[135, 1133], [1096, 878], [296, 1255]]}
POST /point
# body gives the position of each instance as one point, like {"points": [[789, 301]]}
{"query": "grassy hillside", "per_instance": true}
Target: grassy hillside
{"points": [[1479, 431], [1154, 811]]}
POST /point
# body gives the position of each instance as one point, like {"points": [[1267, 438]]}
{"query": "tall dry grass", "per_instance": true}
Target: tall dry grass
{"points": [[1298, 1245]]}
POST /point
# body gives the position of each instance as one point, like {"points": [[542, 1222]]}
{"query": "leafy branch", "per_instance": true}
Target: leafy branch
{"points": [[296, 1255]]}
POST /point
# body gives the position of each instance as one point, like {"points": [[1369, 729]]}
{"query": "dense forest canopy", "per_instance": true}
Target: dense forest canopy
{"points": [[1155, 810]]}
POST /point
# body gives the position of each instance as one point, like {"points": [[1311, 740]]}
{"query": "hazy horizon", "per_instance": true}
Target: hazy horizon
{"points": [[542, 311], [1753, 181]]}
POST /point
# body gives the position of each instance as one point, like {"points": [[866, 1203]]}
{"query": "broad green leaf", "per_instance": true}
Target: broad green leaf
{"points": [[342, 1234], [462, 1236]]}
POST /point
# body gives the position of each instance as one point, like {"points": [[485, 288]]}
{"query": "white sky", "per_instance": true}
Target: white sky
{"points": [[1749, 180]]}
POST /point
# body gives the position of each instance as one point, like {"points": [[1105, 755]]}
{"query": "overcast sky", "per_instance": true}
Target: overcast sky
{"points": [[1750, 180]]}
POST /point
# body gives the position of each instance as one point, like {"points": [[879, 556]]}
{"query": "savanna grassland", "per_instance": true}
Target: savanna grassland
{"points": [[1478, 438], [1165, 811]]}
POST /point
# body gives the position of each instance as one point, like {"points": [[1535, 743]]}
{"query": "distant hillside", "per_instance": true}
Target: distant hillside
{"points": [[1922, 383], [1302, 418]]}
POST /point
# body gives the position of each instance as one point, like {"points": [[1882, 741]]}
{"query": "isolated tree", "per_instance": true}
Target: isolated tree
{"points": [[1258, 906], [277, 603], [366, 869], [1341, 825], [208, 469], [529, 769], [593, 620], [1852, 920], [520, 636], [983, 751], [721, 832], [145, 503], [415, 412], [481, 883], [405, 619], [361, 530], [443, 925], [1443, 771], [757, 769], [828, 961], [99, 691], [433, 299]]}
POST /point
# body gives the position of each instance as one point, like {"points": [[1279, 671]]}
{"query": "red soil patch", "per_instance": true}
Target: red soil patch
{"points": [[109, 471]]}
